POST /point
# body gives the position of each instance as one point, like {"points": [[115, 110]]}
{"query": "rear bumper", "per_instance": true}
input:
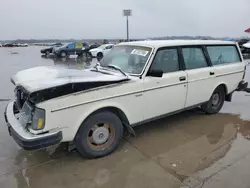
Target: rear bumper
{"points": [[23, 137], [242, 86]]}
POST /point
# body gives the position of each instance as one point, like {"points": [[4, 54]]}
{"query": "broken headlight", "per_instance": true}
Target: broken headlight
{"points": [[38, 119]]}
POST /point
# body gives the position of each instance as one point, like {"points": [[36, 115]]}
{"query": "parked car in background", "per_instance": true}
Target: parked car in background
{"points": [[85, 45], [245, 48], [75, 48], [134, 83], [15, 45], [49, 50], [93, 46], [101, 50], [1, 45], [8, 45], [23, 45]]}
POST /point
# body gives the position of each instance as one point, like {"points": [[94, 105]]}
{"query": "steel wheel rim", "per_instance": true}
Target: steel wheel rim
{"points": [[101, 136], [216, 99]]}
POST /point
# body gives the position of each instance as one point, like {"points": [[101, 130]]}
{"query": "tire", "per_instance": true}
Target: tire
{"points": [[63, 54], [47, 53], [215, 102], [99, 56], [92, 140]]}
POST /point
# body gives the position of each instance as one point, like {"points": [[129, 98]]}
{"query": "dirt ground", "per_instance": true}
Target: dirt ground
{"points": [[190, 149]]}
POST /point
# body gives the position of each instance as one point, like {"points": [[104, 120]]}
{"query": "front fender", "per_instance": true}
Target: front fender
{"points": [[93, 108]]}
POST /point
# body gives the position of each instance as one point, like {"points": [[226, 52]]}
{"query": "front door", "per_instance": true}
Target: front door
{"points": [[71, 49], [166, 94]]}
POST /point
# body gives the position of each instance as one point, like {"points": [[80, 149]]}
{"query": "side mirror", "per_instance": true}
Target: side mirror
{"points": [[155, 73]]}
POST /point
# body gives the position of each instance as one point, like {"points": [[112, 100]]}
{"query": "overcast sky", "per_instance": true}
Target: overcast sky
{"points": [[103, 18]]}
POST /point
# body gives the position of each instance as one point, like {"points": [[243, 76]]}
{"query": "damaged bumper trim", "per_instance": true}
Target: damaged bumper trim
{"points": [[23, 137], [242, 86]]}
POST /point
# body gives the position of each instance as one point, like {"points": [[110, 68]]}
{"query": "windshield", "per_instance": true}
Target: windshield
{"points": [[65, 45], [130, 59], [102, 46]]}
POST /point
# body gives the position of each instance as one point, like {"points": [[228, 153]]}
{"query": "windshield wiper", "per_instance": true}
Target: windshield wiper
{"points": [[117, 68]]}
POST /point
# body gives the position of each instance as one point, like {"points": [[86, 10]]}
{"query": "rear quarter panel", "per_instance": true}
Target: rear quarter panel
{"points": [[229, 74]]}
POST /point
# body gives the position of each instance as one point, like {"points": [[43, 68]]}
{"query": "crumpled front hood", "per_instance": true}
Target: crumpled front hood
{"points": [[39, 78]]}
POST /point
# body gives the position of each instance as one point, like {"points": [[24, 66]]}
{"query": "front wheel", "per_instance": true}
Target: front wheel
{"points": [[63, 54], [99, 135], [215, 102]]}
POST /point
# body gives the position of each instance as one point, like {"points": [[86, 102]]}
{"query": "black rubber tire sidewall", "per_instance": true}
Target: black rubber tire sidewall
{"points": [[82, 134], [62, 53], [99, 55], [207, 107]]}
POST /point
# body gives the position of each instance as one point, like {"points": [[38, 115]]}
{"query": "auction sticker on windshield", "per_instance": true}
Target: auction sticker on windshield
{"points": [[139, 52]]}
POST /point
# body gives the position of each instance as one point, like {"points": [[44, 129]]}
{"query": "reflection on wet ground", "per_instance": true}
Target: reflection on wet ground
{"points": [[190, 149]]}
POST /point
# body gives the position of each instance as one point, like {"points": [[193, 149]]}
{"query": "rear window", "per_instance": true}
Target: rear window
{"points": [[223, 54]]}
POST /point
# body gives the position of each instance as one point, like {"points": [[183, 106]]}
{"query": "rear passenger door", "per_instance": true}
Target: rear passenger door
{"points": [[200, 75], [166, 94]]}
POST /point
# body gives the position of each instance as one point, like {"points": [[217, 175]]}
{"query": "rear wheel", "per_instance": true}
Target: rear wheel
{"points": [[63, 54], [99, 135], [215, 102]]}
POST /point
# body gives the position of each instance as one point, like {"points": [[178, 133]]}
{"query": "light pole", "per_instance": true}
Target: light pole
{"points": [[127, 13]]}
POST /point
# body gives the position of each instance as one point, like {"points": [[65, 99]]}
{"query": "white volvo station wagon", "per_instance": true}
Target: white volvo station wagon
{"points": [[134, 83]]}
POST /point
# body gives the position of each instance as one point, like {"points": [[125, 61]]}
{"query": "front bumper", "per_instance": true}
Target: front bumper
{"points": [[23, 137], [93, 54]]}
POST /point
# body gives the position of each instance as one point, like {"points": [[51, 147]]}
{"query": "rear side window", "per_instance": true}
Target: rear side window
{"points": [[194, 58], [71, 46], [223, 54]]}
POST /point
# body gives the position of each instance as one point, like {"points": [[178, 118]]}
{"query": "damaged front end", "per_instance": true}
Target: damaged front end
{"points": [[44, 83], [26, 119], [23, 95]]}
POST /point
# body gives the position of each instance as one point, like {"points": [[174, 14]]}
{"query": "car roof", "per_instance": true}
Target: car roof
{"points": [[164, 43]]}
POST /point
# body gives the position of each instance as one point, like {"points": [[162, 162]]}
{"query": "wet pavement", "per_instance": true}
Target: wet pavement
{"points": [[190, 149]]}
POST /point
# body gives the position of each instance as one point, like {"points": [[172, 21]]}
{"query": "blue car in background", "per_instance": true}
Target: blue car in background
{"points": [[74, 48]]}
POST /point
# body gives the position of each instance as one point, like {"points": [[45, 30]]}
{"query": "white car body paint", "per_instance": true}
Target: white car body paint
{"points": [[140, 98], [104, 49]]}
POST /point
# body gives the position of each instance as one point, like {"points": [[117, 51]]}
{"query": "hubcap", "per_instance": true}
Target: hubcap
{"points": [[100, 135], [215, 99]]}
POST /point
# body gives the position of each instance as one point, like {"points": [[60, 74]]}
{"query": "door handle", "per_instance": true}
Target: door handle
{"points": [[211, 73], [138, 95], [183, 78]]}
